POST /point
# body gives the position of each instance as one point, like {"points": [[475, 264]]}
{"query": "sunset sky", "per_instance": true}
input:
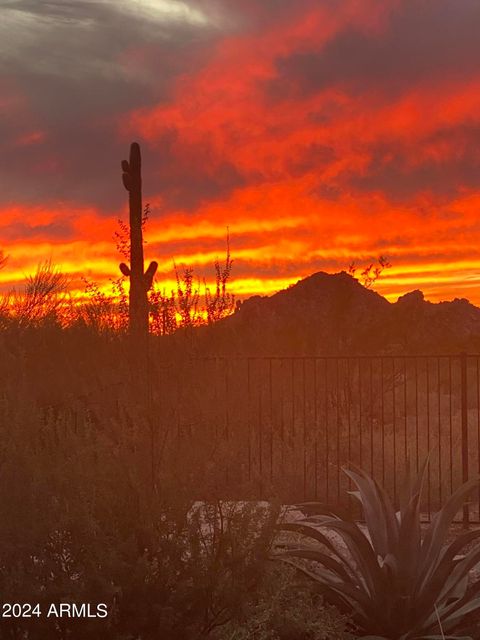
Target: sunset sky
{"points": [[318, 131]]}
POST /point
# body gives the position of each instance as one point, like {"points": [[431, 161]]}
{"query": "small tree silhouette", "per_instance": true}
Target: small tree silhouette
{"points": [[370, 273], [220, 304], [187, 297]]}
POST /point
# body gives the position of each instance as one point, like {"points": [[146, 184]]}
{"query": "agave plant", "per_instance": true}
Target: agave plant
{"points": [[396, 583]]}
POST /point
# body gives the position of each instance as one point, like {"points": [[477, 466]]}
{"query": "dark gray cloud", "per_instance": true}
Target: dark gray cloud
{"points": [[313, 156], [97, 55], [399, 183], [187, 175], [80, 65], [188, 191], [423, 42], [58, 230], [390, 169]]}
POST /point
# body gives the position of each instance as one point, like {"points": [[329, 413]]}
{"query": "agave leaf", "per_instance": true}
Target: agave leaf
{"points": [[409, 544], [355, 599], [416, 487], [410, 531], [435, 536], [320, 537], [457, 545], [454, 589], [445, 610], [362, 552], [309, 531], [318, 520], [406, 487], [315, 534], [428, 595], [391, 562], [380, 516], [460, 614], [322, 558], [356, 494], [320, 508], [460, 572]]}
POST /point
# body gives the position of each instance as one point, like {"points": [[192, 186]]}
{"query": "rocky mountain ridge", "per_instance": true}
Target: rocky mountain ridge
{"points": [[333, 314]]}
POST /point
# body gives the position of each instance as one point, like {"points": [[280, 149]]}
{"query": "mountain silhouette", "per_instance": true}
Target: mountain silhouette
{"points": [[330, 314]]}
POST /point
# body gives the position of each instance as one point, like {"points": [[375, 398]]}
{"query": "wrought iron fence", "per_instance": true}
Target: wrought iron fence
{"points": [[287, 425]]}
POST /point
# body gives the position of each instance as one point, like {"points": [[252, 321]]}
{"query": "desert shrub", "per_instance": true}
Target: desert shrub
{"points": [[195, 570], [286, 607], [43, 299], [103, 312]]}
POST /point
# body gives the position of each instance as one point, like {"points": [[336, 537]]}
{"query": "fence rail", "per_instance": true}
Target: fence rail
{"points": [[287, 425]]}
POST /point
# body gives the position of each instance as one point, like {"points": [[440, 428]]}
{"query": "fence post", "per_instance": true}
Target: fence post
{"points": [[466, 506]]}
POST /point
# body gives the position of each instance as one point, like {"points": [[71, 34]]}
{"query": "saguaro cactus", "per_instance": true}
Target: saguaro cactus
{"points": [[140, 281]]}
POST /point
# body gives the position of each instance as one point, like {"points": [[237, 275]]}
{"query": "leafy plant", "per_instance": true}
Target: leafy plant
{"points": [[396, 583]]}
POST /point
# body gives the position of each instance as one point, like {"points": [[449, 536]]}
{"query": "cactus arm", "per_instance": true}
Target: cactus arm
{"points": [[125, 269], [150, 274]]}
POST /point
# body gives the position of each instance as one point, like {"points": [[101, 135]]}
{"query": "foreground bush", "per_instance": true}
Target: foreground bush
{"points": [[396, 584], [80, 523], [286, 607], [175, 578]]}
